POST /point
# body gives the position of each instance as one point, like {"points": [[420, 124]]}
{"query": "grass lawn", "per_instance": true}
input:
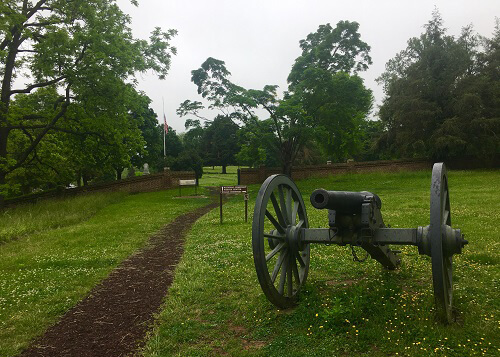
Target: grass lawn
{"points": [[58, 250], [212, 176], [215, 306], [26, 219]]}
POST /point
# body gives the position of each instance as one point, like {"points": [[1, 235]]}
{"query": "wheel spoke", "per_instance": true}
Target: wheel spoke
{"points": [[289, 276], [272, 236], [274, 251], [289, 205], [282, 202], [295, 271], [284, 270], [274, 222], [279, 214], [295, 211], [300, 260], [277, 266], [445, 216]]}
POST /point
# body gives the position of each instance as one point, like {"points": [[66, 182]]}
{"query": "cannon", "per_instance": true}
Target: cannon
{"points": [[281, 236]]}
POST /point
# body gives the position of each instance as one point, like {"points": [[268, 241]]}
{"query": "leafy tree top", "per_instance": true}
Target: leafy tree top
{"points": [[338, 49]]}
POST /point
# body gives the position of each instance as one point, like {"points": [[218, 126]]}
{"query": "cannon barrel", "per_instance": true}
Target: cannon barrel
{"points": [[343, 202]]}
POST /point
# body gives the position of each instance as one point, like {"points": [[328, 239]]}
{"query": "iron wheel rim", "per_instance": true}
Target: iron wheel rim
{"points": [[442, 265], [279, 205]]}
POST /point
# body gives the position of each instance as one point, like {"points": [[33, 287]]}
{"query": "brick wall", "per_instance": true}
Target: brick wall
{"points": [[258, 175], [146, 183]]}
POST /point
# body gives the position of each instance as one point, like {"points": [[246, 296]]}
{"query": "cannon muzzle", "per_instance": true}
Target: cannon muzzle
{"points": [[343, 202]]}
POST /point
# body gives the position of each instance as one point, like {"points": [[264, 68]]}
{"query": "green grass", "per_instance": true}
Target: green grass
{"points": [[49, 270], [215, 305], [218, 169], [48, 214], [214, 177]]}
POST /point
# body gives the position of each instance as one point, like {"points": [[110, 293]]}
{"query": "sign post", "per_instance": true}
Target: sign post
{"points": [[234, 190], [245, 197]]}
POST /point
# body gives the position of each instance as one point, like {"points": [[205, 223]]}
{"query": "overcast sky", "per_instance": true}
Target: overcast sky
{"points": [[259, 40]]}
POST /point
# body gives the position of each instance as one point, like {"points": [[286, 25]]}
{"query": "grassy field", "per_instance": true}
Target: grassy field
{"points": [[216, 308], [56, 251], [212, 176], [51, 214]]}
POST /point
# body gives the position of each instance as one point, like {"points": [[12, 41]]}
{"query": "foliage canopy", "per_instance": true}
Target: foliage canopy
{"points": [[83, 53]]}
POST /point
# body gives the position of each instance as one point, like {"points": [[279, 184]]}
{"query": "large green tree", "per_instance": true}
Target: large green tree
{"points": [[325, 97], [82, 48], [325, 80], [442, 95]]}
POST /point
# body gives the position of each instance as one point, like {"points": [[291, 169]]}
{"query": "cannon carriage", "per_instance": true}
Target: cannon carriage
{"points": [[281, 236]]}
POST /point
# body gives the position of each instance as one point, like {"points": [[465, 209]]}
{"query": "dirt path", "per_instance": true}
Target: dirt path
{"points": [[114, 318]]}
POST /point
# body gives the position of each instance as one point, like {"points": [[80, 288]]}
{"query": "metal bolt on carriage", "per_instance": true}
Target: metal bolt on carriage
{"points": [[281, 236]]}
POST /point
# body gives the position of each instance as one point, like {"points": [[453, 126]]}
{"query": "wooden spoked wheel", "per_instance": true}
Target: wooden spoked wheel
{"points": [[442, 261], [281, 261]]}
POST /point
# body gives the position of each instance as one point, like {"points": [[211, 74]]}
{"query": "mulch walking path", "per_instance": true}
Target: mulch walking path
{"points": [[114, 318]]}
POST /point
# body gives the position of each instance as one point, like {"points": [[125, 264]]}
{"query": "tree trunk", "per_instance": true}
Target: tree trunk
{"points": [[2, 183], [119, 171], [3, 166], [287, 169], [5, 102], [79, 179], [286, 158], [224, 169]]}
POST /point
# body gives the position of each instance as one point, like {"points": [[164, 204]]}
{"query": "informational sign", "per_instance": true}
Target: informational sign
{"points": [[187, 182], [228, 190], [234, 189]]}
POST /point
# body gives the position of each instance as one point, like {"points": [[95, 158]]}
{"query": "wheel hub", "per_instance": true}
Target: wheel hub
{"points": [[292, 238], [453, 241]]}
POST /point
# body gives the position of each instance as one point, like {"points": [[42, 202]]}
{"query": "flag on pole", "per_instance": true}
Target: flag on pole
{"points": [[165, 126]]}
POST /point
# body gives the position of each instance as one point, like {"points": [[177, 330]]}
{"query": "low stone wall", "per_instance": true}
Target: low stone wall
{"points": [[146, 183], [258, 175]]}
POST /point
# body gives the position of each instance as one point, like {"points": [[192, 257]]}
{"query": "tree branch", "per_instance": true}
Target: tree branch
{"points": [[45, 130], [4, 44], [45, 164], [41, 24], [38, 85], [24, 128], [275, 120], [38, 6]]}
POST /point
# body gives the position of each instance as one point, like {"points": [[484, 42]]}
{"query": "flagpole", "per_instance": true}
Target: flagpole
{"points": [[164, 131]]}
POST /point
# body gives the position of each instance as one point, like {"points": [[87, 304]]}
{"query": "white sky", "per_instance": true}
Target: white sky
{"points": [[259, 40]]}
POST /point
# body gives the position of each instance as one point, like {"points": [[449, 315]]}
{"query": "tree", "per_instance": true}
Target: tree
{"points": [[338, 105], [192, 139], [82, 48], [331, 50], [324, 78], [442, 96], [330, 58], [152, 134], [173, 145], [188, 160], [257, 145], [220, 142]]}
